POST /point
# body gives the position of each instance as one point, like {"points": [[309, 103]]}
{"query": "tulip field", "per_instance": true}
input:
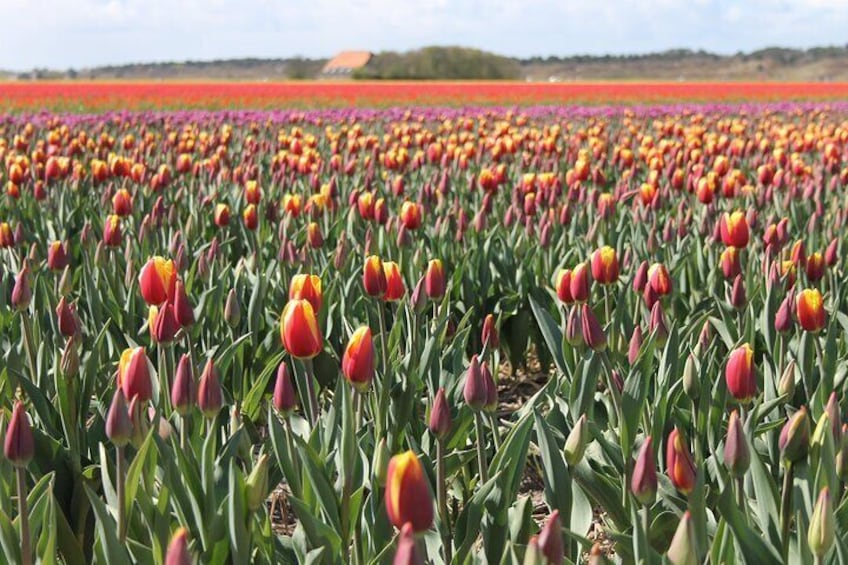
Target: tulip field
{"points": [[420, 334]]}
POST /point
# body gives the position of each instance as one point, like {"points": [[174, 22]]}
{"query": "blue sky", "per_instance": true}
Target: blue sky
{"points": [[79, 33]]}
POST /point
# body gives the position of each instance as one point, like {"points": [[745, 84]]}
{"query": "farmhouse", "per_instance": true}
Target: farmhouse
{"points": [[345, 63]]}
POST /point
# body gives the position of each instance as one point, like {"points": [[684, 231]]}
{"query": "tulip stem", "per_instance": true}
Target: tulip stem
{"points": [[383, 404], [740, 493], [183, 425], [646, 520], [786, 508], [122, 503], [442, 494], [493, 422], [23, 512], [314, 409], [819, 355], [481, 447], [28, 346]]}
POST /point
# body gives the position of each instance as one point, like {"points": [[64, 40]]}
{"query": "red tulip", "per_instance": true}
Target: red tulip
{"points": [[119, 426], [299, 330], [812, 316], [593, 333], [489, 335], [178, 553], [394, 282], [410, 215], [122, 204], [659, 279], [210, 397], [183, 393], [250, 217], [134, 374], [57, 256], [165, 325], [307, 287], [285, 398], [734, 229], [222, 215], [66, 316], [563, 286], [605, 265], [182, 307], [730, 264], [440, 418], [358, 360], [112, 231], [157, 280], [374, 277], [475, 389], [550, 539], [643, 483], [579, 284], [7, 237], [815, 267], [434, 282], [740, 374], [19, 444], [408, 495]]}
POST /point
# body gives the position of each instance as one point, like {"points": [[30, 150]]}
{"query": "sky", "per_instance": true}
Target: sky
{"points": [[62, 34]]}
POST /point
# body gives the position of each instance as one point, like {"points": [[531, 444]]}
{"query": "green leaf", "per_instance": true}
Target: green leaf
{"points": [[751, 543]]}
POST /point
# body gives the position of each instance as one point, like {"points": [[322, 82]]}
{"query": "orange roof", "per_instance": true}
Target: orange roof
{"points": [[347, 60]]}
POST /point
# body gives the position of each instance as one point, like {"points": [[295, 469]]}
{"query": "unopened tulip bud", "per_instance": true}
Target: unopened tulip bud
{"points": [[22, 291], [842, 454], [380, 462], [683, 548], [576, 442], [579, 283], [285, 398], [182, 307], [440, 418], [256, 484], [691, 382], [786, 385], [489, 335], [593, 333], [834, 413], [134, 374], [738, 298], [794, 441], [66, 282], [19, 444], [574, 326], [643, 483], [70, 361], [657, 325], [474, 390], [783, 321], [810, 311], [419, 296], [822, 530], [737, 456], [635, 345], [640, 279], [434, 280], [550, 540], [209, 394], [358, 359], [140, 423], [119, 427], [232, 309], [183, 393], [165, 325]]}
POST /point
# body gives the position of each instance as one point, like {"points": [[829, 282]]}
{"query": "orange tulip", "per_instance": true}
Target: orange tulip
{"points": [[7, 237], [299, 330], [815, 267], [410, 215], [563, 286], [112, 231], [408, 496], [394, 282], [292, 204], [579, 283], [122, 204], [222, 215], [157, 280], [434, 282], [605, 265], [734, 229], [250, 217], [680, 467], [307, 287], [358, 360], [810, 310]]}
